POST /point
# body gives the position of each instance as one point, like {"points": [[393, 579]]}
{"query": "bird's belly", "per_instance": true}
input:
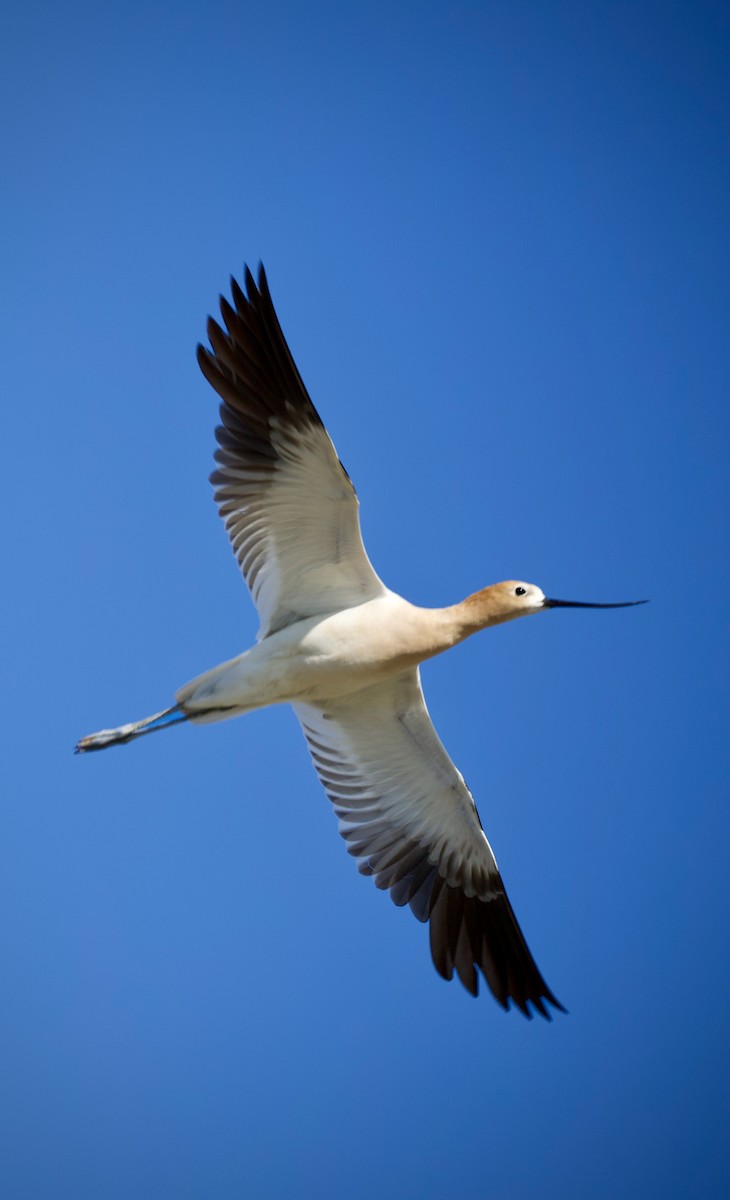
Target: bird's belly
{"points": [[352, 650], [317, 677]]}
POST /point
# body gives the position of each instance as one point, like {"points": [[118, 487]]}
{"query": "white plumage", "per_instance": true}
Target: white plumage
{"points": [[344, 650]]}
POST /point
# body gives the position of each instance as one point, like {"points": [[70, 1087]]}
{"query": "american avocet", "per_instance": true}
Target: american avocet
{"points": [[344, 650]]}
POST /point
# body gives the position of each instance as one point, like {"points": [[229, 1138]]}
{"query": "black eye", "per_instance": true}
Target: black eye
{"points": [[520, 591]]}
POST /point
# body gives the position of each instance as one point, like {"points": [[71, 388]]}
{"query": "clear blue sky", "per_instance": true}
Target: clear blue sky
{"points": [[496, 236]]}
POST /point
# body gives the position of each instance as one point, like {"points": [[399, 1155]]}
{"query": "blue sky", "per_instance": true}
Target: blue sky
{"points": [[496, 237]]}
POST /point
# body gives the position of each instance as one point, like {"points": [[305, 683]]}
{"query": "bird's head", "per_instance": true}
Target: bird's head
{"points": [[514, 598]]}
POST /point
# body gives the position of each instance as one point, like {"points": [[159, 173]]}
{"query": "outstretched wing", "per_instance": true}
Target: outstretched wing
{"points": [[408, 816], [288, 504]]}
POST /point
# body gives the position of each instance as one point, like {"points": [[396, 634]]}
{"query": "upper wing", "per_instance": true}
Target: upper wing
{"points": [[410, 819], [288, 504]]}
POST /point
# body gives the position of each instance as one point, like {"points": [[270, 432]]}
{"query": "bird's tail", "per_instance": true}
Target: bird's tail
{"points": [[127, 733]]}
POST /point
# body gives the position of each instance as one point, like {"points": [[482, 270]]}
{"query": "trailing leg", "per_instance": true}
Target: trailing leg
{"points": [[128, 733]]}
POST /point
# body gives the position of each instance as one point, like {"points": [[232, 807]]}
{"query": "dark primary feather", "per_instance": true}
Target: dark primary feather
{"points": [[251, 366], [468, 932]]}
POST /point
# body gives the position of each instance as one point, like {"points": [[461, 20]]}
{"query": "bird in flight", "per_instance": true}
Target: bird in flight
{"points": [[344, 651]]}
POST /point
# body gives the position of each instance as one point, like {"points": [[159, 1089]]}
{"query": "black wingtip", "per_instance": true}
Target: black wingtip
{"points": [[244, 296], [468, 932], [540, 1005], [250, 283], [239, 299]]}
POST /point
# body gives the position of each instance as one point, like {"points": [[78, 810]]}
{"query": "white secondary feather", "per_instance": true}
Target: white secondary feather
{"points": [[301, 551], [400, 801]]}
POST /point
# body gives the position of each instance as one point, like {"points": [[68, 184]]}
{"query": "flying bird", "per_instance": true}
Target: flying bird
{"points": [[344, 651]]}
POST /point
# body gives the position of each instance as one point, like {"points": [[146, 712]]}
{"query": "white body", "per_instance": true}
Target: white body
{"points": [[323, 657]]}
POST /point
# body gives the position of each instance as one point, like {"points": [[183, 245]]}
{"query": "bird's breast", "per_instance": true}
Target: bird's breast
{"points": [[348, 650]]}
